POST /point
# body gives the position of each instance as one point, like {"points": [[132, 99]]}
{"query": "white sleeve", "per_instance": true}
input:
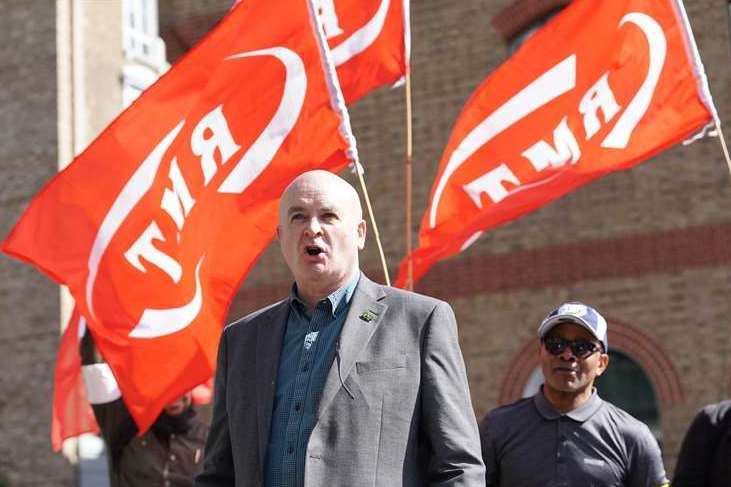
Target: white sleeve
{"points": [[101, 386]]}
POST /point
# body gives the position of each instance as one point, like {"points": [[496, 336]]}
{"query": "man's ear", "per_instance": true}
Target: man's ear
{"points": [[603, 363], [279, 231], [361, 234]]}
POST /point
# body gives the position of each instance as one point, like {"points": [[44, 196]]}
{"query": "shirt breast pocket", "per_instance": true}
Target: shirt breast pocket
{"points": [[381, 364]]}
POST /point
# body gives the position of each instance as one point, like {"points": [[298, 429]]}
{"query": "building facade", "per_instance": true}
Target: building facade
{"points": [[648, 247]]}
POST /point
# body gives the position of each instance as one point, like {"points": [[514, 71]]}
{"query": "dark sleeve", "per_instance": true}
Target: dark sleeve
{"points": [[218, 466], [448, 420], [115, 422], [696, 451], [489, 455]]}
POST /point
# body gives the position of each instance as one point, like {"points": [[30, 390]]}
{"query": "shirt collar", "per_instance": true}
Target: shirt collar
{"points": [[341, 295], [580, 414]]}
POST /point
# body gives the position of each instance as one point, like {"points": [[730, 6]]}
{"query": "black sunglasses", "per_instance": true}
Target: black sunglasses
{"points": [[580, 348]]}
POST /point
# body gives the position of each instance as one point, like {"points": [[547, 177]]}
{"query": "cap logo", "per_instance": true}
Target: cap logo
{"points": [[573, 309]]}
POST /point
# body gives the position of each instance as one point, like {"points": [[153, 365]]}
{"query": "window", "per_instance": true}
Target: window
{"points": [[626, 385], [144, 50], [140, 32]]}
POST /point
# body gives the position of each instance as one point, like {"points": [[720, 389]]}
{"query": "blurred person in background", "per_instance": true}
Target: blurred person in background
{"points": [[169, 454]]}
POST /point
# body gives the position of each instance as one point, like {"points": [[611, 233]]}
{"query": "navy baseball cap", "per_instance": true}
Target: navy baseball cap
{"points": [[579, 313]]}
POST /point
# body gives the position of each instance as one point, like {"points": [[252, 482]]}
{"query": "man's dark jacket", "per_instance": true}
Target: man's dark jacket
{"points": [[705, 456]]}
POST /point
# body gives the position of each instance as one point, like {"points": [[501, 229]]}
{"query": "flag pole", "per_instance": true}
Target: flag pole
{"points": [[703, 80], [409, 148], [409, 182], [359, 171], [724, 148], [339, 105]]}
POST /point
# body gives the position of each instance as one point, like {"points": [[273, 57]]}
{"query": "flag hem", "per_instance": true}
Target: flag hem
{"points": [[699, 71]]}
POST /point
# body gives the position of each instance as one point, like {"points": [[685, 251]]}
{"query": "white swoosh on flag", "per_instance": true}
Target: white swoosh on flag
{"points": [[361, 38], [618, 138], [158, 322], [262, 151], [550, 85], [140, 182]]}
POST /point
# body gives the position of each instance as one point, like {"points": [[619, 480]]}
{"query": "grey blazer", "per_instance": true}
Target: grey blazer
{"points": [[395, 409]]}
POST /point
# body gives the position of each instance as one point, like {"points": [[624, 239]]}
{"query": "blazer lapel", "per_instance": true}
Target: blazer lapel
{"points": [[364, 316], [269, 335]]}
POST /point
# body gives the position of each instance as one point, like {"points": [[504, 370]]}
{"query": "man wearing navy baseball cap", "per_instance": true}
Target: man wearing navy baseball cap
{"points": [[566, 435]]}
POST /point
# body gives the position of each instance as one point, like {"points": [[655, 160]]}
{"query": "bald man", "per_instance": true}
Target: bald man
{"points": [[346, 382]]}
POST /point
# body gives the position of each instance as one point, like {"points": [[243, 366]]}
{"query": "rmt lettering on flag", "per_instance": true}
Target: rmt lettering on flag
{"points": [[602, 87], [156, 223]]}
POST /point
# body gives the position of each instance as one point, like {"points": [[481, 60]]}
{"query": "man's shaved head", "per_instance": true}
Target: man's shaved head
{"points": [[336, 186], [321, 229]]}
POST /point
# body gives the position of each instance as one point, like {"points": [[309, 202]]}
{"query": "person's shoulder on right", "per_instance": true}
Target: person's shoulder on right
{"points": [[419, 306], [627, 424], [503, 417], [717, 412], [623, 419], [635, 434], [411, 296]]}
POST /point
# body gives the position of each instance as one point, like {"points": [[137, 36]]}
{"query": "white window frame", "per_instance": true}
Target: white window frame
{"points": [[140, 33], [144, 50]]}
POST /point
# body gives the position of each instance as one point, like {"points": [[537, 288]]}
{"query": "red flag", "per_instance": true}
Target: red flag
{"points": [[155, 224], [602, 87], [370, 42], [71, 412]]}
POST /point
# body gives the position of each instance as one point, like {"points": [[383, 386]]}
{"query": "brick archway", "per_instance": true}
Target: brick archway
{"points": [[622, 337]]}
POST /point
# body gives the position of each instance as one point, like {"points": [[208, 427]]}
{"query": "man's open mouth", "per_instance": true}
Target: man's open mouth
{"points": [[314, 250]]}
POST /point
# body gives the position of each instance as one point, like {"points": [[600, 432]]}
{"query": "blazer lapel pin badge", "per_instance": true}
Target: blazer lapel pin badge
{"points": [[368, 316]]}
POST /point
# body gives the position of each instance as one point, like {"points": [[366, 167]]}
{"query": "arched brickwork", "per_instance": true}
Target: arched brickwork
{"points": [[629, 340]]}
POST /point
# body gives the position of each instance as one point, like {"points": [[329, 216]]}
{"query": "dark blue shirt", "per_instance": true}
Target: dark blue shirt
{"points": [[308, 351]]}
